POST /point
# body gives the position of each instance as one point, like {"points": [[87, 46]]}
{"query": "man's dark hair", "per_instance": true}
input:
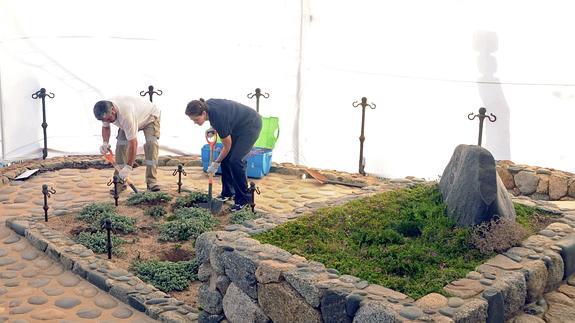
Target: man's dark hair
{"points": [[196, 107], [102, 108]]}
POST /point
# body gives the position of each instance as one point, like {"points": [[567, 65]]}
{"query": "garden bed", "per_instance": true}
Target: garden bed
{"points": [[401, 240], [151, 237]]}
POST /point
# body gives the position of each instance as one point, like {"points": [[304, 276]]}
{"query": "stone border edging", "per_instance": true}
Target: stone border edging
{"points": [[539, 183], [243, 278], [120, 283]]}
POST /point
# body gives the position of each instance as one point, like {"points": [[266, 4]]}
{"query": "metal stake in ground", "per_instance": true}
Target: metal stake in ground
{"points": [[108, 227], [179, 171], [115, 180], [151, 92], [47, 193], [42, 95], [257, 95], [253, 189], [481, 116], [362, 137]]}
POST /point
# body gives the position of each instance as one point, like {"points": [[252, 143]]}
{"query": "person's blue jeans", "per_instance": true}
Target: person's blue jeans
{"points": [[234, 179]]}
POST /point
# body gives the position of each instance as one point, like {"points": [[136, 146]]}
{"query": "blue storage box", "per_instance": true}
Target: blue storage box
{"points": [[259, 160]]}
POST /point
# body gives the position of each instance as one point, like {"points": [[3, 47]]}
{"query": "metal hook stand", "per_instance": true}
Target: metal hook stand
{"points": [[363, 104], [481, 116], [151, 92], [257, 95], [42, 95], [47, 191], [253, 189], [115, 180], [108, 226], [179, 171]]}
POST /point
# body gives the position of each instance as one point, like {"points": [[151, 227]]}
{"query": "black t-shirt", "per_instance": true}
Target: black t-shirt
{"points": [[231, 118]]}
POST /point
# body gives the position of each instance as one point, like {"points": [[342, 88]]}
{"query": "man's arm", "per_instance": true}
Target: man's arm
{"points": [[105, 134]]}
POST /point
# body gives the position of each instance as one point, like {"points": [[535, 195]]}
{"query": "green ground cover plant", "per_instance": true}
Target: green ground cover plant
{"points": [[96, 241], [149, 198], [95, 211], [166, 275], [186, 224], [400, 239], [156, 211], [533, 219], [190, 200], [243, 215]]}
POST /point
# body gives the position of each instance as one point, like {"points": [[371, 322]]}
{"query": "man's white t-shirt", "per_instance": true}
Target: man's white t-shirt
{"points": [[134, 113]]}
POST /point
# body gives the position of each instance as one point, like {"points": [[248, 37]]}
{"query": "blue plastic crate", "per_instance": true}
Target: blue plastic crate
{"points": [[259, 160]]}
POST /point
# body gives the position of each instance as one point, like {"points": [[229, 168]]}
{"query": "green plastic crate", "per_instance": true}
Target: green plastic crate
{"points": [[269, 134]]}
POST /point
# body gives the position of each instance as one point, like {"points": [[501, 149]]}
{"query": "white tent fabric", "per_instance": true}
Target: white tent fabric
{"points": [[425, 64]]}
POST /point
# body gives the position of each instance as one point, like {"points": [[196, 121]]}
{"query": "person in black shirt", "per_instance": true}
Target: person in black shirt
{"points": [[239, 127]]}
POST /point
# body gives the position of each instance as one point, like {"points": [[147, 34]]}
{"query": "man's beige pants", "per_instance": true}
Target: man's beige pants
{"points": [[151, 147]]}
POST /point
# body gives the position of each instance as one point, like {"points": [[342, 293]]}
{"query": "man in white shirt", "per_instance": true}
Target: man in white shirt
{"points": [[131, 114]]}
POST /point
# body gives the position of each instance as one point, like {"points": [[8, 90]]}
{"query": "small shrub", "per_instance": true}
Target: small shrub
{"points": [[120, 223], [166, 275], [94, 211], [192, 213], [190, 200], [185, 224], [497, 235], [185, 229], [96, 242], [156, 211], [149, 198], [243, 215]]}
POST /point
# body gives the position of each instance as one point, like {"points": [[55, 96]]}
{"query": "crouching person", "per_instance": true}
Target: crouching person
{"points": [[131, 114]]}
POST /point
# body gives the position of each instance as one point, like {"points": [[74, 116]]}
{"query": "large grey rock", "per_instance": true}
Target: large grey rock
{"points": [[283, 304], [471, 188], [240, 308], [242, 271], [210, 300]]}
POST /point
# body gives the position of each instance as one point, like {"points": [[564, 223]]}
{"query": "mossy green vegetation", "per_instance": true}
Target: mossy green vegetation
{"points": [[400, 239], [166, 275], [533, 219]]}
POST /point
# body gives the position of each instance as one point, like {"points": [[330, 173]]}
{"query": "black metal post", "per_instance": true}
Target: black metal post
{"points": [[151, 92], [253, 189], [363, 104], [115, 180], [179, 171], [481, 116], [108, 226], [257, 95], [42, 95], [46, 192]]}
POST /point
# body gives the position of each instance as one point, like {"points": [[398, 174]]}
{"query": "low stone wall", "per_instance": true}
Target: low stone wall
{"points": [[539, 183], [246, 281]]}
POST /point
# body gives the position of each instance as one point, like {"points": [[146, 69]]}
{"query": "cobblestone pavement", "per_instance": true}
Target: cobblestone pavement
{"points": [[34, 287]]}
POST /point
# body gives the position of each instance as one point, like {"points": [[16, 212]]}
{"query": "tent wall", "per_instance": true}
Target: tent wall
{"points": [[425, 64]]}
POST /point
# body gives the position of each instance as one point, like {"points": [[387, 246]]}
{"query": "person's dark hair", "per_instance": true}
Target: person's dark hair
{"points": [[101, 108], [196, 107]]}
